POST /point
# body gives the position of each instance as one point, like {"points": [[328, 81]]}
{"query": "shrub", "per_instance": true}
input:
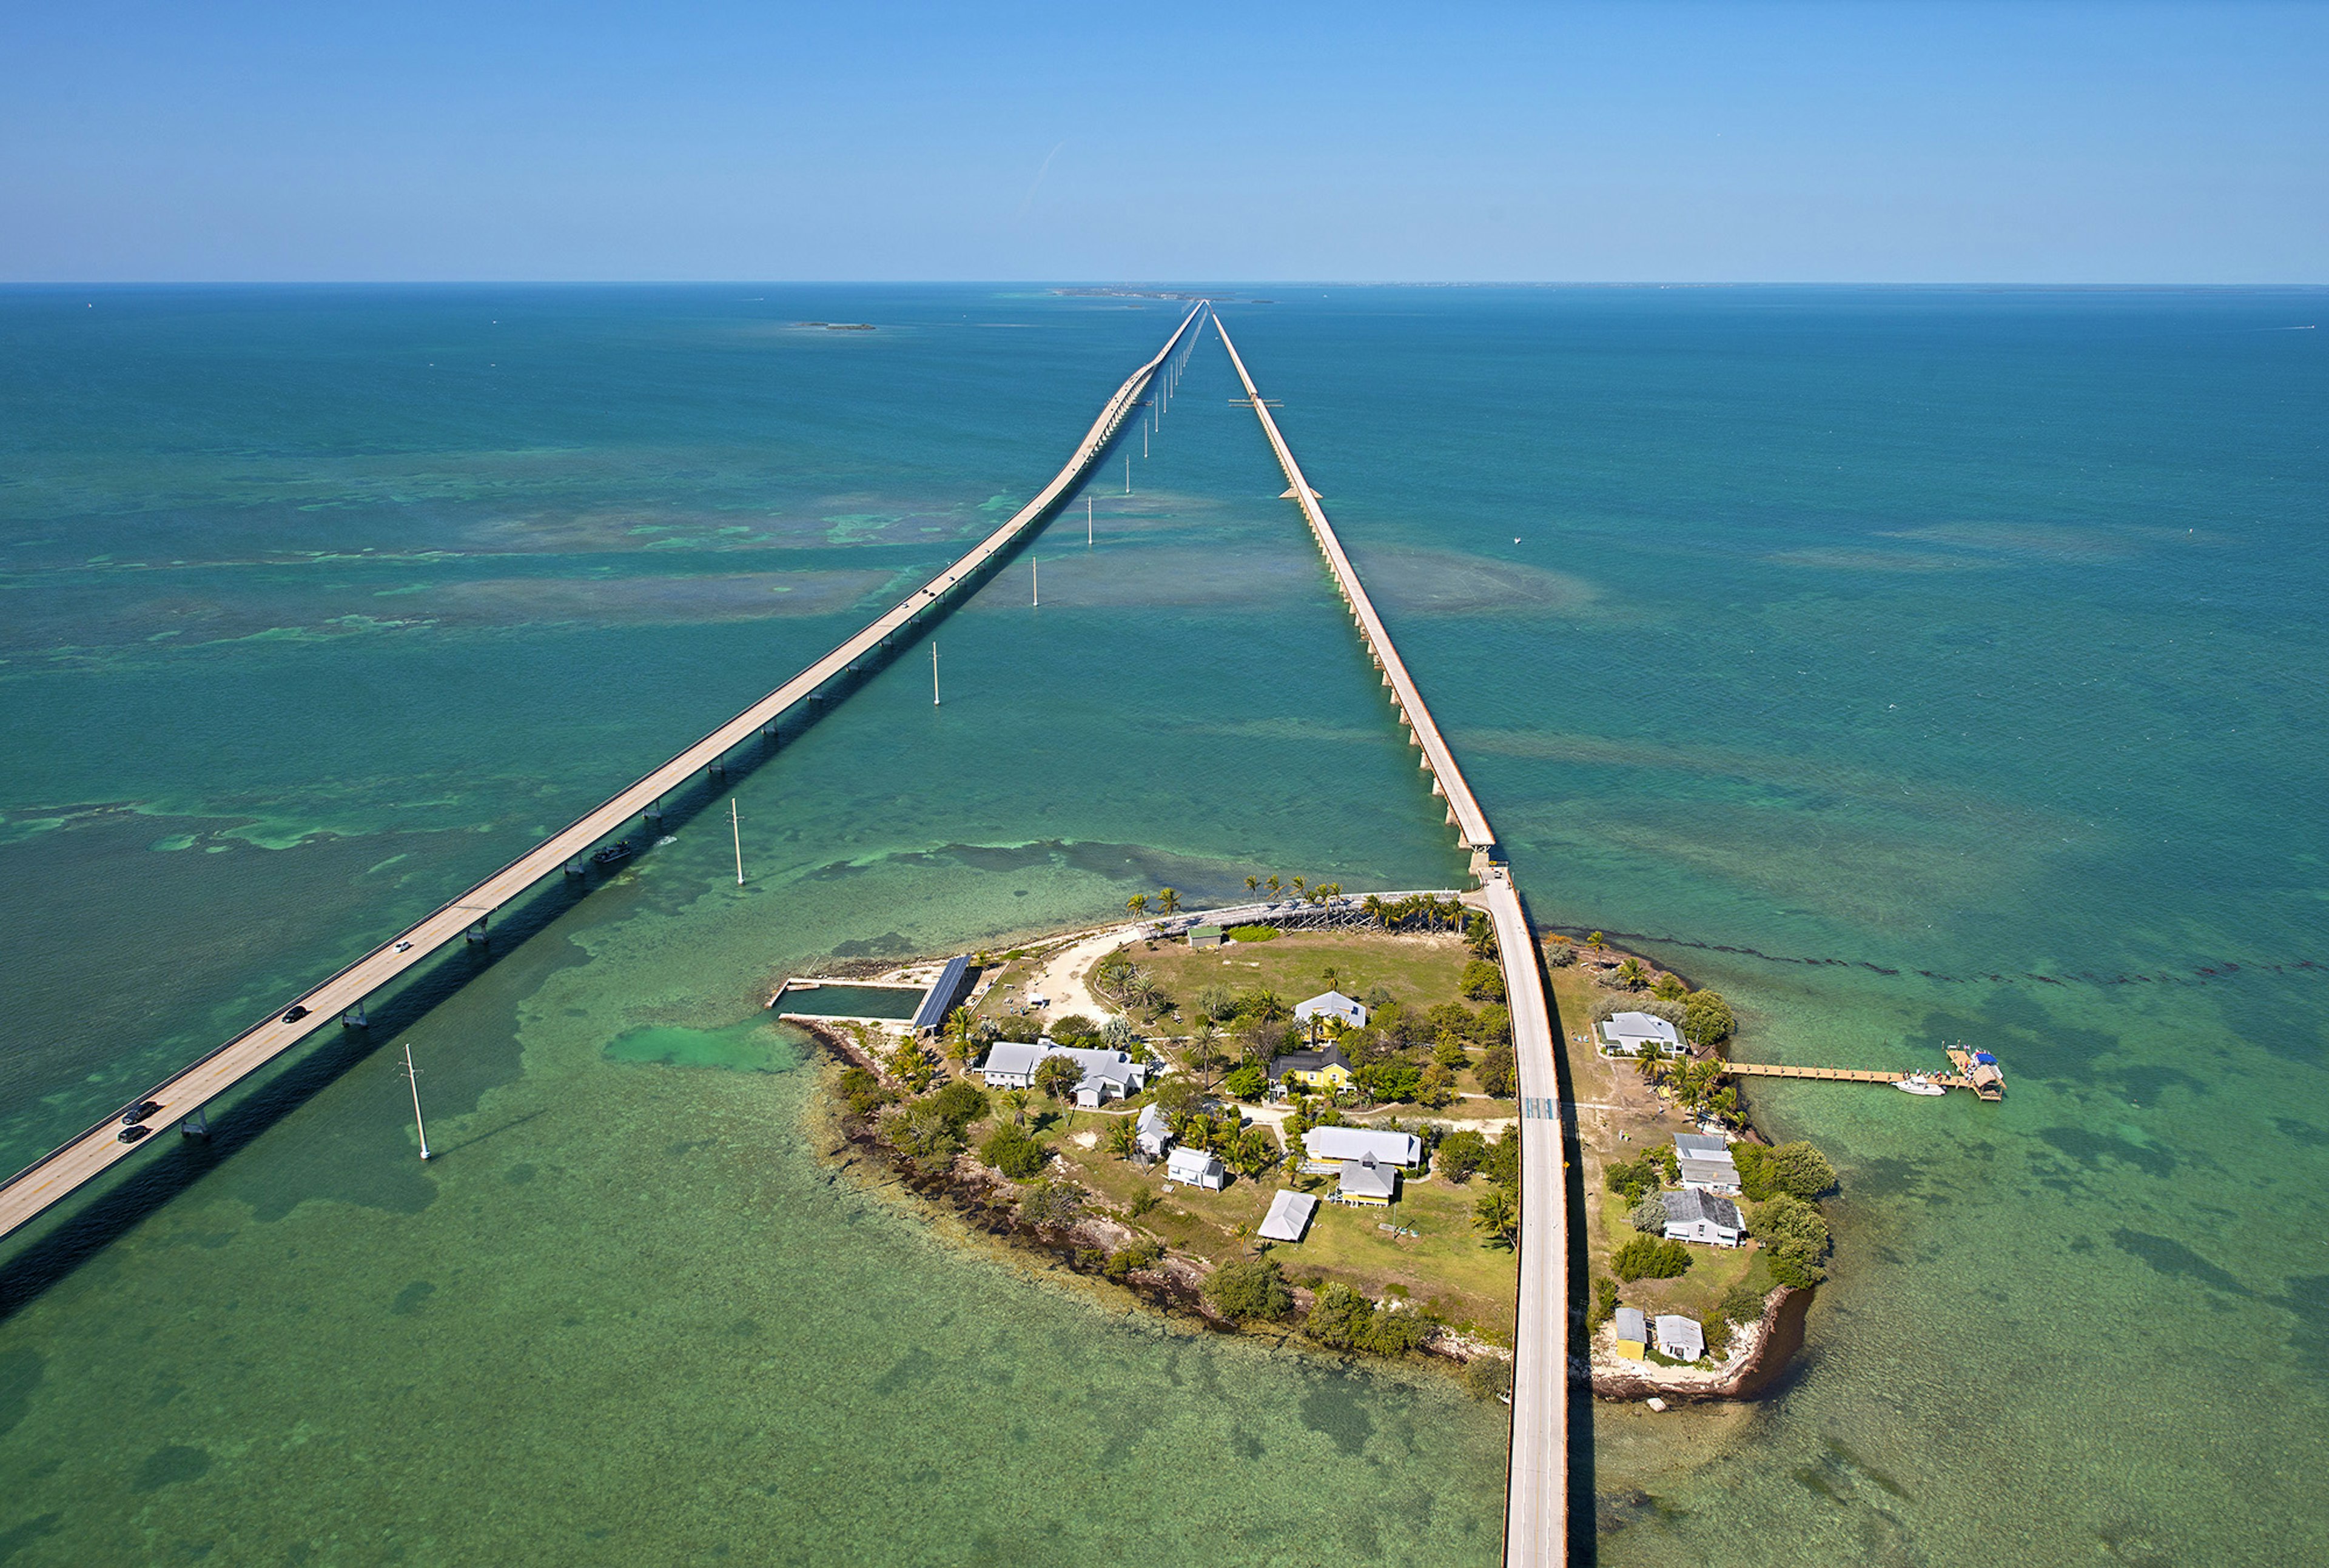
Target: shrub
{"points": [[1460, 1154], [1493, 1025], [1633, 1179], [863, 1092], [1503, 1163], [1144, 1254], [1251, 933], [1743, 1303], [1487, 1377], [919, 1130], [1072, 1027], [1799, 1170], [1451, 1053], [1794, 1234], [1249, 1289], [1650, 1258], [1499, 1075], [1023, 1029], [1217, 1003], [1605, 1303], [1483, 981], [1014, 1151], [1345, 1320], [1669, 987], [1649, 1215], [960, 1102], [1754, 1177], [1385, 1082], [1052, 1204], [1561, 954], [1142, 1202], [1497, 1217], [1707, 1018], [1246, 1083]]}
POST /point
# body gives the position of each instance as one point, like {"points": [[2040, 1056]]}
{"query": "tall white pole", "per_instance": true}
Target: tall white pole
{"points": [[1036, 577], [1127, 474], [737, 827], [934, 672], [1087, 522], [413, 1075]]}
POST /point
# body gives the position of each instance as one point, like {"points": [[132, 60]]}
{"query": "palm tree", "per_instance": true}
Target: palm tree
{"points": [[1270, 882], [1017, 1100], [1137, 903], [1122, 1139], [1373, 909], [962, 1036], [1251, 883], [1057, 1077], [1297, 887], [1595, 941], [1168, 900]]}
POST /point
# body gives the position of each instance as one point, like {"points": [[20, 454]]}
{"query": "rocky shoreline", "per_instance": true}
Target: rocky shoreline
{"points": [[1760, 1352]]}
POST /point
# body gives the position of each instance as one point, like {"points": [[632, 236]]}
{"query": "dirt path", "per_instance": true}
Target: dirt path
{"points": [[1064, 978]]}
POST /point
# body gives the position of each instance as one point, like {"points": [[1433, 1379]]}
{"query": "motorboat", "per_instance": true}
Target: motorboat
{"points": [[618, 852], [1917, 1083]]}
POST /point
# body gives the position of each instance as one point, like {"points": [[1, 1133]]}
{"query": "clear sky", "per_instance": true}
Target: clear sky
{"points": [[2012, 140]]}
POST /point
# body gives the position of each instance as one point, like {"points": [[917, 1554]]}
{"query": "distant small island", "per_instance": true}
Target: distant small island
{"points": [[1304, 1122], [839, 325]]}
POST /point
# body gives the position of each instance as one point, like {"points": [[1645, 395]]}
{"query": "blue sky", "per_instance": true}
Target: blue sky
{"points": [[2012, 140]]}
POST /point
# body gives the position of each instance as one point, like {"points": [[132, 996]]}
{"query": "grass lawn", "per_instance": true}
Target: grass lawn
{"points": [[1443, 1269], [1420, 969]]}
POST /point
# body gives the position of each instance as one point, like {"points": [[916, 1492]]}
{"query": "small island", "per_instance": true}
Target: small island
{"points": [[1301, 1119]]}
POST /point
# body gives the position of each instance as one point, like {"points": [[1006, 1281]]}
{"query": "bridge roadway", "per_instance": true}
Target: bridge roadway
{"points": [[67, 1168], [1536, 1495]]}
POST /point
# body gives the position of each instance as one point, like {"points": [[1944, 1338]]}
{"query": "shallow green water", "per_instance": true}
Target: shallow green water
{"points": [[1924, 666]]}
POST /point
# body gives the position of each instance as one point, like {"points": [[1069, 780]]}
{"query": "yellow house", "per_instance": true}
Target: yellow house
{"points": [[1633, 1333], [1328, 1069], [1364, 1181]]}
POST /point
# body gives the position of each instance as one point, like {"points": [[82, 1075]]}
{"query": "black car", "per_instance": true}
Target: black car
{"points": [[295, 1015], [132, 1134], [139, 1112], [619, 851]]}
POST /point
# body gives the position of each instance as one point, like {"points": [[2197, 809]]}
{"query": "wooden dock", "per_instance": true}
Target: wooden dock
{"points": [[64, 1170], [1844, 1075]]}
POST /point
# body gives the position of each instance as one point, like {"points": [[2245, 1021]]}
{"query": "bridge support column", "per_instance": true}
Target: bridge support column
{"points": [[575, 869], [476, 932], [354, 1018], [197, 1125], [718, 769], [652, 815]]}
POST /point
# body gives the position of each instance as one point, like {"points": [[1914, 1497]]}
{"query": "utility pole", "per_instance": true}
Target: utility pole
{"points": [[737, 827], [414, 1073], [1087, 522], [1036, 576], [1127, 474], [934, 672]]}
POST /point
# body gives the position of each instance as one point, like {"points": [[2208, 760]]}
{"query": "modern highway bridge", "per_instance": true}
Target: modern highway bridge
{"points": [[1536, 1497], [65, 1170]]}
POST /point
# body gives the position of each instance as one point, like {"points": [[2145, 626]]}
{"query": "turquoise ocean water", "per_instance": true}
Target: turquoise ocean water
{"points": [[1914, 666]]}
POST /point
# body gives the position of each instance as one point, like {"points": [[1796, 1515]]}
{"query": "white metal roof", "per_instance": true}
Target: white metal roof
{"points": [[1362, 1144], [1289, 1215]]}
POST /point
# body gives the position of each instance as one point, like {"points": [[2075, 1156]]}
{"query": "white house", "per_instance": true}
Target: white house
{"points": [[1107, 1074], [1368, 1182], [1289, 1216], [1333, 1004], [1700, 1217], [1153, 1132], [1338, 1145], [1706, 1164], [1624, 1035], [1680, 1336], [1197, 1167]]}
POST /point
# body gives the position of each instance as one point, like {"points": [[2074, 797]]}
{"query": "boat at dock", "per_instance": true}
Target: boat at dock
{"points": [[1917, 1083]]}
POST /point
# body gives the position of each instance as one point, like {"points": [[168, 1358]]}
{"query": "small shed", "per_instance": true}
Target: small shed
{"points": [[1680, 1336], [1204, 936], [1196, 1168], [1153, 1132], [1633, 1333], [1364, 1181], [1289, 1216]]}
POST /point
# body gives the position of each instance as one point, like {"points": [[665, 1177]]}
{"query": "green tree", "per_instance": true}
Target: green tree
{"points": [[1649, 1215], [1743, 1303], [1460, 1154], [1499, 1075], [1632, 975], [1669, 987], [1248, 1084], [1216, 1001], [1168, 899], [1480, 935], [960, 1102], [1497, 1217], [1561, 956], [1493, 1025], [1017, 1100], [1595, 941], [1073, 1027], [1270, 882], [1176, 1094], [1123, 1138], [1503, 1166], [962, 1036], [1251, 1290], [1012, 1149], [1604, 1305], [1137, 903], [1387, 1082], [1800, 1171], [1483, 981], [1252, 1152], [1707, 1019], [1449, 1053], [1795, 1234], [1650, 1258], [1056, 1077], [1251, 883]]}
